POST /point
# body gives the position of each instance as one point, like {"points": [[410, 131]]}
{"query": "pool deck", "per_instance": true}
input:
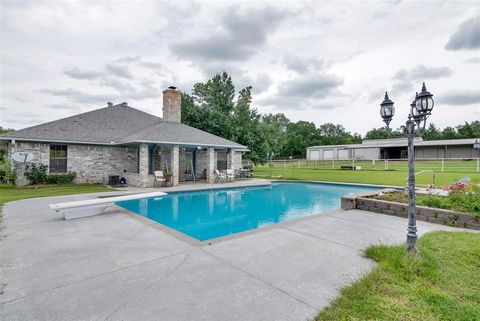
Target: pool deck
{"points": [[116, 267]]}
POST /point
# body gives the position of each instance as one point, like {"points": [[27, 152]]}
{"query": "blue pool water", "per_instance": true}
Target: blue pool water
{"points": [[214, 213]]}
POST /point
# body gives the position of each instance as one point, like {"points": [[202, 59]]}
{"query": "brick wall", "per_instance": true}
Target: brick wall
{"points": [[93, 164], [40, 151], [428, 214]]}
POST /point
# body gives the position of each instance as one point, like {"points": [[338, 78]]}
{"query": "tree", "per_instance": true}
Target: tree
{"points": [[331, 134], [383, 133], [246, 127], [6, 130], [432, 133], [212, 107], [449, 133], [299, 136], [469, 130], [274, 128]]}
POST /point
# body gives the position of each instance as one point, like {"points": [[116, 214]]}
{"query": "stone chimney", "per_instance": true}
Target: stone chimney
{"points": [[172, 104]]}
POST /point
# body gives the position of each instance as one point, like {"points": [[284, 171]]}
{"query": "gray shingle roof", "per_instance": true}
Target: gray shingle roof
{"points": [[118, 124], [164, 131]]}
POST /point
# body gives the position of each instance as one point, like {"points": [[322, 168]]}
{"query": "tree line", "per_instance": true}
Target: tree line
{"points": [[5, 130], [432, 132], [215, 107]]}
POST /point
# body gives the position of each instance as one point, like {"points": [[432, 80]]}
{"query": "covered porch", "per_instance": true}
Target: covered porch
{"points": [[181, 163]]}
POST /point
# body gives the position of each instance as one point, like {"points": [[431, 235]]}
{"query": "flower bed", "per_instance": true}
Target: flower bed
{"points": [[392, 202]]}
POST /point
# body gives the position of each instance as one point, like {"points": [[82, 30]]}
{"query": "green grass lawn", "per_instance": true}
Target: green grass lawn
{"points": [[380, 177], [11, 193], [442, 285]]}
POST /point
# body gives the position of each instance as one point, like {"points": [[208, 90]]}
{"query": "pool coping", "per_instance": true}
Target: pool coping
{"points": [[195, 242], [338, 183]]}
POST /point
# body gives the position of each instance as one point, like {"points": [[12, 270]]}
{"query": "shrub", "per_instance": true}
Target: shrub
{"points": [[461, 197], [7, 175], [467, 200], [36, 173], [61, 178]]}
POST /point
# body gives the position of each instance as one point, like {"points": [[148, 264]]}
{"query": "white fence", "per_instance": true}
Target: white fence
{"points": [[434, 164]]}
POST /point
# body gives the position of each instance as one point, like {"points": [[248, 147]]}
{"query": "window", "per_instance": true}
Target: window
{"points": [[221, 160], [58, 158]]}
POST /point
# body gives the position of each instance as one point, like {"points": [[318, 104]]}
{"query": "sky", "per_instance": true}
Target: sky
{"points": [[318, 61]]}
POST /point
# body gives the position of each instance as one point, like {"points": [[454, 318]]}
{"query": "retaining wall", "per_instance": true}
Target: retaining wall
{"points": [[428, 214]]}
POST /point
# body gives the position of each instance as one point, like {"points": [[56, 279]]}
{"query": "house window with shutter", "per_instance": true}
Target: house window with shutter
{"points": [[58, 158]]}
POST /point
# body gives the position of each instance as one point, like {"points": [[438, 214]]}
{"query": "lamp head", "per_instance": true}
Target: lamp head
{"points": [[387, 110], [424, 102]]}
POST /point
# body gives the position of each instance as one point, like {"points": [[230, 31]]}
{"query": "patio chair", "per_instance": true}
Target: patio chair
{"points": [[159, 178], [230, 175], [219, 177]]}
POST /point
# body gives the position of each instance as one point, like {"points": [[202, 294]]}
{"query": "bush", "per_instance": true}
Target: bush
{"points": [[61, 178], [461, 197], [36, 173], [7, 175], [467, 200]]}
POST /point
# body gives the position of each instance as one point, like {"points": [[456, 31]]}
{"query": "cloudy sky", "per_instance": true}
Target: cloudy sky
{"points": [[312, 60]]}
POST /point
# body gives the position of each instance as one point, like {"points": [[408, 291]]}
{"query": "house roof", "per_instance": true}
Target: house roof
{"points": [[118, 125]]}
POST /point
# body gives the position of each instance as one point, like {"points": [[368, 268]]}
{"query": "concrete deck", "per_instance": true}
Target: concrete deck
{"points": [[114, 267]]}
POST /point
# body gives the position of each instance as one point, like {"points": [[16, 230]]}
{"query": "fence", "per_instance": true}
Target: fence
{"points": [[434, 164]]}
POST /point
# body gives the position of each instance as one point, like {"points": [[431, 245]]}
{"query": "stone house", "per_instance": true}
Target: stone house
{"points": [[124, 141]]}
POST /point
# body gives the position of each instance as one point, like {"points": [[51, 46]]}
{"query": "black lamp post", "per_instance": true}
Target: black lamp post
{"points": [[476, 145], [420, 109]]}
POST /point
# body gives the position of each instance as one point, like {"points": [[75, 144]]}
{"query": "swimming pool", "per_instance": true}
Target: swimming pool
{"points": [[208, 214]]}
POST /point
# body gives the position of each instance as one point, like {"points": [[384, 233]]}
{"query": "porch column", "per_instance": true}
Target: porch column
{"points": [[143, 164], [210, 165], [175, 164], [231, 159]]}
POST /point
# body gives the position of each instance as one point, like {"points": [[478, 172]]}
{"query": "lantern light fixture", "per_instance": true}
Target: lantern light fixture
{"points": [[387, 110]]}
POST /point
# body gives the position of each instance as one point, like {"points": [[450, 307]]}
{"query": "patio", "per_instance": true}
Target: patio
{"points": [[113, 267], [183, 163]]}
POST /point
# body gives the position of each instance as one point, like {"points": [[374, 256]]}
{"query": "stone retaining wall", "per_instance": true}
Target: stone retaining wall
{"points": [[428, 214]]}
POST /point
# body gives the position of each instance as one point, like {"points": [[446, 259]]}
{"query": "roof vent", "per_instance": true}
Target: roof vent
{"points": [[110, 104], [172, 87], [124, 103]]}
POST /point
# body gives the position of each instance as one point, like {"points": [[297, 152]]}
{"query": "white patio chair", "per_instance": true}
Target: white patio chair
{"points": [[219, 177], [159, 178], [230, 175]]}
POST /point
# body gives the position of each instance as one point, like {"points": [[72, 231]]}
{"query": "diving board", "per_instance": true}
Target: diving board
{"points": [[96, 206]]}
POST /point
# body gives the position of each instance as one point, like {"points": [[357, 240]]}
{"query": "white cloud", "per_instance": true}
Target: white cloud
{"points": [[241, 34], [466, 37], [422, 72], [471, 97]]}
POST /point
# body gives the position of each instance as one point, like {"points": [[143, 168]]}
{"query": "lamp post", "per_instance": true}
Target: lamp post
{"points": [[420, 108], [476, 145]]}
